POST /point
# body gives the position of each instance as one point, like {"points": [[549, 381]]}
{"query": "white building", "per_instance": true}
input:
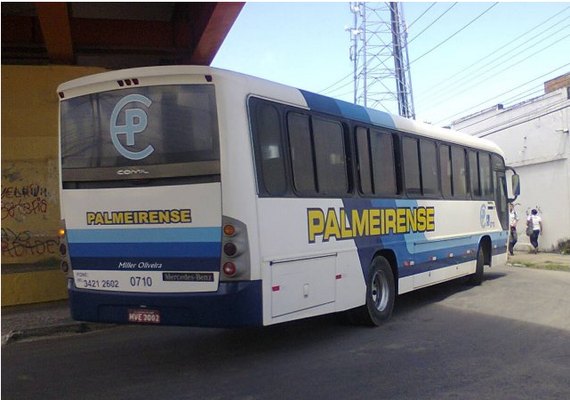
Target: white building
{"points": [[535, 137]]}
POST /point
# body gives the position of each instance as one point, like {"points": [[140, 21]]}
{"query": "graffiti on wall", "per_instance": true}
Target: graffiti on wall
{"points": [[20, 201], [26, 244], [30, 211]]}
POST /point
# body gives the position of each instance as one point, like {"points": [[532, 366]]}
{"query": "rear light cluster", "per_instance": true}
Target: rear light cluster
{"points": [[235, 250], [64, 250]]}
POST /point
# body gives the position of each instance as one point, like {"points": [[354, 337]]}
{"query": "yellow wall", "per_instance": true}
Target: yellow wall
{"points": [[30, 189]]}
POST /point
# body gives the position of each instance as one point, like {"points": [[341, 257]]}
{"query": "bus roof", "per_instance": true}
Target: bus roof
{"points": [[314, 101]]}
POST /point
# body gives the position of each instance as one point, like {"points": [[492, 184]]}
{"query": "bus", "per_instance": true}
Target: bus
{"points": [[195, 196]]}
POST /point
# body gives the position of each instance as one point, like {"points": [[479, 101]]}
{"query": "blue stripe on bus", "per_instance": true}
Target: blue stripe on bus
{"points": [[189, 249], [328, 105], [147, 235], [406, 248]]}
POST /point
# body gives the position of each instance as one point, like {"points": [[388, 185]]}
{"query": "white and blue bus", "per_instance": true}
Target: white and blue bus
{"points": [[202, 197]]}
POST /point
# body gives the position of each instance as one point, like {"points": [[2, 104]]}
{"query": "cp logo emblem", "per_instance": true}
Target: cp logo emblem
{"points": [[135, 122]]}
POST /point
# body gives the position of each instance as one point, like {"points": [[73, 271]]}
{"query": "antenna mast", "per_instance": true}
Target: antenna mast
{"points": [[379, 54]]}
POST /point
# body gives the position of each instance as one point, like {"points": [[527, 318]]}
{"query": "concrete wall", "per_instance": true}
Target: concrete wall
{"points": [[30, 190], [534, 136]]}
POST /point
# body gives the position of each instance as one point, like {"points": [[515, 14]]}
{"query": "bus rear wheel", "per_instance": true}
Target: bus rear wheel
{"points": [[380, 295]]}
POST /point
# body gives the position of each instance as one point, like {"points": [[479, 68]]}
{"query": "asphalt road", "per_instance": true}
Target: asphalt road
{"points": [[507, 339]]}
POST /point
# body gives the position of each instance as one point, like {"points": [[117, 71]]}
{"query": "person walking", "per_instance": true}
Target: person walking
{"points": [[535, 222], [513, 220]]}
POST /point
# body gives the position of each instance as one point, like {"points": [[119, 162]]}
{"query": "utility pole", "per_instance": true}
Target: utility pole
{"points": [[379, 54]]}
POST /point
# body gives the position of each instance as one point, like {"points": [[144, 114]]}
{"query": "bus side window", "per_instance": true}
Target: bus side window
{"points": [[364, 166], [485, 175], [301, 153], [445, 170], [411, 166], [459, 172], [330, 157], [474, 174], [428, 156], [267, 132], [383, 163]]}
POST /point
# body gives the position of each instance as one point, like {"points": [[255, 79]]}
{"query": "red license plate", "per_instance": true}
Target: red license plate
{"points": [[144, 316]]}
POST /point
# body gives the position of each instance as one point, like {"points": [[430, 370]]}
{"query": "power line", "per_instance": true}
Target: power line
{"points": [[534, 90], [433, 22], [435, 104], [516, 121], [465, 70], [501, 94], [421, 15], [330, 89], [454, 34]]}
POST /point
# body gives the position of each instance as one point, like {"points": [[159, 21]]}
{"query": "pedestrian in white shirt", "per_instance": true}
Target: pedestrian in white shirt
{"points": [[513, 220], [535, 222]]}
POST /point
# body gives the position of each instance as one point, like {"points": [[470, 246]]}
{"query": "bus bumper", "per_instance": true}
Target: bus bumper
{"points": [[234, 304]]}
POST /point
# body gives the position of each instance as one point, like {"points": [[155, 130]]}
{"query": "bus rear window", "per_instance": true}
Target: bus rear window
{"points": [[142, 126]]}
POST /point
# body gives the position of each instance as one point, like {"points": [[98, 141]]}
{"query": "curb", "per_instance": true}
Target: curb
{"points": [[39, 332]]}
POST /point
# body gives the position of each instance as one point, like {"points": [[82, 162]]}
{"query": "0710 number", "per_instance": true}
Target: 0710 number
{"points": [[141, 281]]}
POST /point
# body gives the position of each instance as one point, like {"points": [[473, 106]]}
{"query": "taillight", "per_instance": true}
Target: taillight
{"points": [[64, 250], [230, 249], [229, 230], [229, 269], [235, 250], [65, 267]]}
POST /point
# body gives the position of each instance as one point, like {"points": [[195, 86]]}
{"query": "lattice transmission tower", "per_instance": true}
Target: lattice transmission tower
{"points": [[379, 54]]}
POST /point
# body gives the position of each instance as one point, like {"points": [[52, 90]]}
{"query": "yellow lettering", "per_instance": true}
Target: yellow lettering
{"points": [[401, 225], [174, 216], [421, 219], [412, 226], [143, 217], [163, 217], [430, 219], [185, 216], [99, 220], [390, 221], [128, 217], [360, 223], [375, 226], [117, 218], [90, 218], [316, 219], [346, 231], [332, 228]]}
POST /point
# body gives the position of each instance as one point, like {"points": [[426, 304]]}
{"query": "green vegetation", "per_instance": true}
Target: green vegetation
{"points": [[564, 246], [547, 265]]}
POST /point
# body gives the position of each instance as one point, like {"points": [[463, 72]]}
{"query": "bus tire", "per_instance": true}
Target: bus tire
{"points": [[477, 278], [380, 295]]}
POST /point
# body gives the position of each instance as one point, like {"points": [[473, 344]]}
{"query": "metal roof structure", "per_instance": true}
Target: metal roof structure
{"points": [[114, 35]]}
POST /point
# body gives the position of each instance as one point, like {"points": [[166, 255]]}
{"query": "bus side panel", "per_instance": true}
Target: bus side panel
{"points": [[303, 278]]}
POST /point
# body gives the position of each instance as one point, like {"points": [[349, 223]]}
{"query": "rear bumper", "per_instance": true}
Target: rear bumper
{"points": [[234, 304]]}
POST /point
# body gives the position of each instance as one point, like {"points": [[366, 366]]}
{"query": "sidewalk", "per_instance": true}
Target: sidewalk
{"points": [[550, 261], [47, 319], [42, 319]]}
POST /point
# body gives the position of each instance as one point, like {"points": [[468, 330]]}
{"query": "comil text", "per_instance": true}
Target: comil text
{"points": [[342, 225]]}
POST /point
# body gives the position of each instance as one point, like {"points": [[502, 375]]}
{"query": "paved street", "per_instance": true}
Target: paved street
{"points": [[507, 339]]}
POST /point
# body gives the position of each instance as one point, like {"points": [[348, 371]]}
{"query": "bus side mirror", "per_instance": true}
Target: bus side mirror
{"points": [[516, 185]]}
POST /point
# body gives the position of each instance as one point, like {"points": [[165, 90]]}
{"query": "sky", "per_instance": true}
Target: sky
{"points": [[464, 57]]}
